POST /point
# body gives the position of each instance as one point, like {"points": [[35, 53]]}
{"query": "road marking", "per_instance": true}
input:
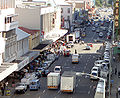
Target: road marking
{"points": [[90, 86], [88, 92], [44, 91], [79, 80], [85, 67], [58, 92], [76, 85], [66, 67]]}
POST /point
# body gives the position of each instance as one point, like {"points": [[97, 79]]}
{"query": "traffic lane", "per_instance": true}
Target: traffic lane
{"points": [[44, 93]]}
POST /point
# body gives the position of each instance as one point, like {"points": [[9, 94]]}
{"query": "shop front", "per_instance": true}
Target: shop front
{"points": [[6, 69], [23, 63]]}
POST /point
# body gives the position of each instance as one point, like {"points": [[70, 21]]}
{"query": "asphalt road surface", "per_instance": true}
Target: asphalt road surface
{"points": [[85, 88]]}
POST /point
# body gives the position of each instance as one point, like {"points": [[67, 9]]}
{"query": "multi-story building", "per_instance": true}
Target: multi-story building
{"points": [[8, 25], [66, 14], [45, 18]]}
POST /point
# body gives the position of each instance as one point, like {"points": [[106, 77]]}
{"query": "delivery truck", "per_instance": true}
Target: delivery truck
{"points": [[53, 80], [75, 58], [68, 81], [70, 38]]}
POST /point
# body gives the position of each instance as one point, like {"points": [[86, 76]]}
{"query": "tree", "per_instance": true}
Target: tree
{"points": [[98, 3]]}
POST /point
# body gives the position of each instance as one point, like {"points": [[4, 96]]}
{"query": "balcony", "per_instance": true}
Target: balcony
{"points": [[10, 26]]}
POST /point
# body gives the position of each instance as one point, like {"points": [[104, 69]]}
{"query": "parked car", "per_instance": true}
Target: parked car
{"points": [[46, 64], [100, 34], [66, 52], [34, 84], [40, 70], [90, 44], [21, 88], [88, 47], [70, 45], [94, 75], [57, 69], [93, 29]]}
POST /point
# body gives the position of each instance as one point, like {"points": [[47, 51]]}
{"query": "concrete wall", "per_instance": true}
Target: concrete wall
{"points": [[22, 47], [29, 17], [65, 13], [10, 48]]}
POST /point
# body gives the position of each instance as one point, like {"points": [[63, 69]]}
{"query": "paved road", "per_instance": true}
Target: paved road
{"points": [[85, 88]]}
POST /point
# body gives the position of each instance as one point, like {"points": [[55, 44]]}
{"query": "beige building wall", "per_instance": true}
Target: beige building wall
{"points": [[29, 17]]}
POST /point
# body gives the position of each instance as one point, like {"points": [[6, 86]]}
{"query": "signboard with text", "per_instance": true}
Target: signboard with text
{"points": [[116, 13]]}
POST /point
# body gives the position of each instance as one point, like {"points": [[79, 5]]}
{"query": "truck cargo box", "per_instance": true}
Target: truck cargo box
{"points": [[53, 80], [68, 81]]}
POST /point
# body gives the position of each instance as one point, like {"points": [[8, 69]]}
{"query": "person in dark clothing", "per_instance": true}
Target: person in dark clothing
{"points": [[115, 71], [75, 51], [2, 90]]}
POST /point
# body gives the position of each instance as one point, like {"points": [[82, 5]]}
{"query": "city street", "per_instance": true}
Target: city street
{"points": [[85, 88]]}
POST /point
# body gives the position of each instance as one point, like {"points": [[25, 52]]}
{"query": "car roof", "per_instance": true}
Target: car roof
{"points": [[95, 67], [94, 71]]}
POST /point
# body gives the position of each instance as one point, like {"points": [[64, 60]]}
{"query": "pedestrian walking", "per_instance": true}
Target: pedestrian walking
{"points": [[114, 59], [2, 90], [75, 51], [115, 70], [119, 90]]}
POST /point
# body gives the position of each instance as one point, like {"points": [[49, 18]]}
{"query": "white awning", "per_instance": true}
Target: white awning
{"points": [[6, 69], [55, 34]]}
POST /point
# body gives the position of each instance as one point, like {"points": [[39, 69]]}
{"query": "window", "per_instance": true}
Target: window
{"points": [[61, 10], [53, 22], [68, 17], [68, 10]]}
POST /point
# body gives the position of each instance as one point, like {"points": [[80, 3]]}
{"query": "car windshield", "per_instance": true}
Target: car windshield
{"points": [[95, 74], [33, 83], [20, 84], [57, 69]]}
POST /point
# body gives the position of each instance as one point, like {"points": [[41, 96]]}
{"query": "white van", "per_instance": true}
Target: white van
{"points": [[57, 69], [75, 58]]}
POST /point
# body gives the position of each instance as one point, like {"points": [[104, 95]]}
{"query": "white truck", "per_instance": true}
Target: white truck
{"points": [[75, 58], [53, 80], [70, 38], [100, 90], [68, 81]]}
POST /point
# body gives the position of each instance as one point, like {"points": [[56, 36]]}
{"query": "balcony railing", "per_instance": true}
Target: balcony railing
{"points": [[10, 26]]}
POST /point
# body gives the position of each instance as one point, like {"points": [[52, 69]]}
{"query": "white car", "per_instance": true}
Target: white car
{"points": [[88, 47], [21, 87], [95, 69], [94, 75], [98, 63], [57, 69], [100, 34], [93, 29]]}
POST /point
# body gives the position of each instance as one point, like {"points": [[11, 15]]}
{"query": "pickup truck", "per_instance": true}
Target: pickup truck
{"points": [[21, 87]]}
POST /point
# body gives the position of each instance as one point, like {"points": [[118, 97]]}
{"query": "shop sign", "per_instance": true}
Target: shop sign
{"points": [[116, 13], [23, 63]]}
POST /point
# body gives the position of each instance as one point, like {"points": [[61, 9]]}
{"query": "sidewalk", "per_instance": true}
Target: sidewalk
{"points": [[116, 80]]}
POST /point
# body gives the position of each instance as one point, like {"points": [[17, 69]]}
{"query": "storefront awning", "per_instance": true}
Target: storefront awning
{"points": [[116, 50], [43, 45], [6, 69]]}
